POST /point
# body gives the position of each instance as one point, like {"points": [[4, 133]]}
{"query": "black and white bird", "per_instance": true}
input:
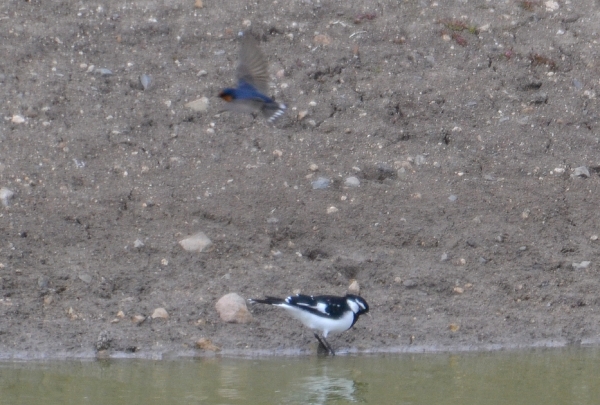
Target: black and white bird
{"points": [[325, 313]]}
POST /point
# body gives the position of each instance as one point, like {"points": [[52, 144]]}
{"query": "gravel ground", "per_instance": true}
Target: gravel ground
{"points": [[458, 142]]}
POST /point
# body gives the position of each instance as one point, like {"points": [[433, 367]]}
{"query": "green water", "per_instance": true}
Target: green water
{"points": [[567, 376]]}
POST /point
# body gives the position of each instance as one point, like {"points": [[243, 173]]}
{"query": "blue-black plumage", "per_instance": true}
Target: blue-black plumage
{"points": [[253, 83]]}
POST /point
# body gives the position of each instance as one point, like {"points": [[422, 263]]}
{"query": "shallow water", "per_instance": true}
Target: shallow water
{"points": [[557, 376]]}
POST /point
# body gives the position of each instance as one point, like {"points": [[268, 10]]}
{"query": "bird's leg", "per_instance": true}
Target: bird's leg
{"points": [[323, 342]]}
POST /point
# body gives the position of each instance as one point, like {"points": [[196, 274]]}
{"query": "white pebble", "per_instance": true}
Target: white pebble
{"points": [[160, 313], [198, 242], [352, 181], [200, 105], [581, 171], [17, 119], [6, 195], [581, 266], [145, 80]]}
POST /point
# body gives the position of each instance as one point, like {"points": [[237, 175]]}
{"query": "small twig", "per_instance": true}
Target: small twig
{"points": [[356, 33]]}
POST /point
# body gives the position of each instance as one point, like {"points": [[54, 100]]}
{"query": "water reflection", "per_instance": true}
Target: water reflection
{"points": [[230, 381], [325, 386], [545, 377]]}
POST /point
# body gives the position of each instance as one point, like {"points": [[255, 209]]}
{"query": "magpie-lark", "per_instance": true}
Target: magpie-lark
{"points": [[326, 313]]}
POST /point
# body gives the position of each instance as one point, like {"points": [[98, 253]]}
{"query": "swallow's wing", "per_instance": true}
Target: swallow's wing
{"points": [[253, 68]]}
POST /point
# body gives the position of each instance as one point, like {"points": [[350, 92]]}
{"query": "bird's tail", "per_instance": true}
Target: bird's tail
{"points": [[273, 110], [268, 300]]}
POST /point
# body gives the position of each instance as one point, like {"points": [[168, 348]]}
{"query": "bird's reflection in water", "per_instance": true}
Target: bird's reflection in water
{"points": [[319, 390]]}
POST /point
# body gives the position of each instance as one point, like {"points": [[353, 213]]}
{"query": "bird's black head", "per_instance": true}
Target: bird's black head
{"points": [[358, 304]]}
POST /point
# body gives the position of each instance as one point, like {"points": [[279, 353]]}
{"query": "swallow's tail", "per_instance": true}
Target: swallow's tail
{"points": [[273, 110]]}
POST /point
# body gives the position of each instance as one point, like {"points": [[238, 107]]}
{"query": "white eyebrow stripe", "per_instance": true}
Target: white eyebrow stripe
{"points": [[353, 305]]}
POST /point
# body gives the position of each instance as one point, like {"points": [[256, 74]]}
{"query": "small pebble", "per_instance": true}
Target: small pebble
{"points": [[581, 171], [86, 278], [313, 167], [322, 39], [320, 183], [206, 344], [138, 319], [409, 283], [232, 309], [354, 287], [453, 198], [332, 210], [160, 313], [103, 341], [43, 282], [352, 181], [5, 196], [138, 244], [17, 119], [539, 97], [581, 266], [104, 72], [198, 242], [145, 80], [594, 237], [199, 105]]}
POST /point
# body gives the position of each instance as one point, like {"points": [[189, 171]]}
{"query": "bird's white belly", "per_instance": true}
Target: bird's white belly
{"points": [[326, 325]]}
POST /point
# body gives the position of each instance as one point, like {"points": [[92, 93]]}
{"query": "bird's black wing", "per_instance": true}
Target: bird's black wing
{"points": [[324, 305]]}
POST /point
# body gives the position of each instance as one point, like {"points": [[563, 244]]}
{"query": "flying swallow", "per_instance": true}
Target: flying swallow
{"points": [[253, 83]]}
